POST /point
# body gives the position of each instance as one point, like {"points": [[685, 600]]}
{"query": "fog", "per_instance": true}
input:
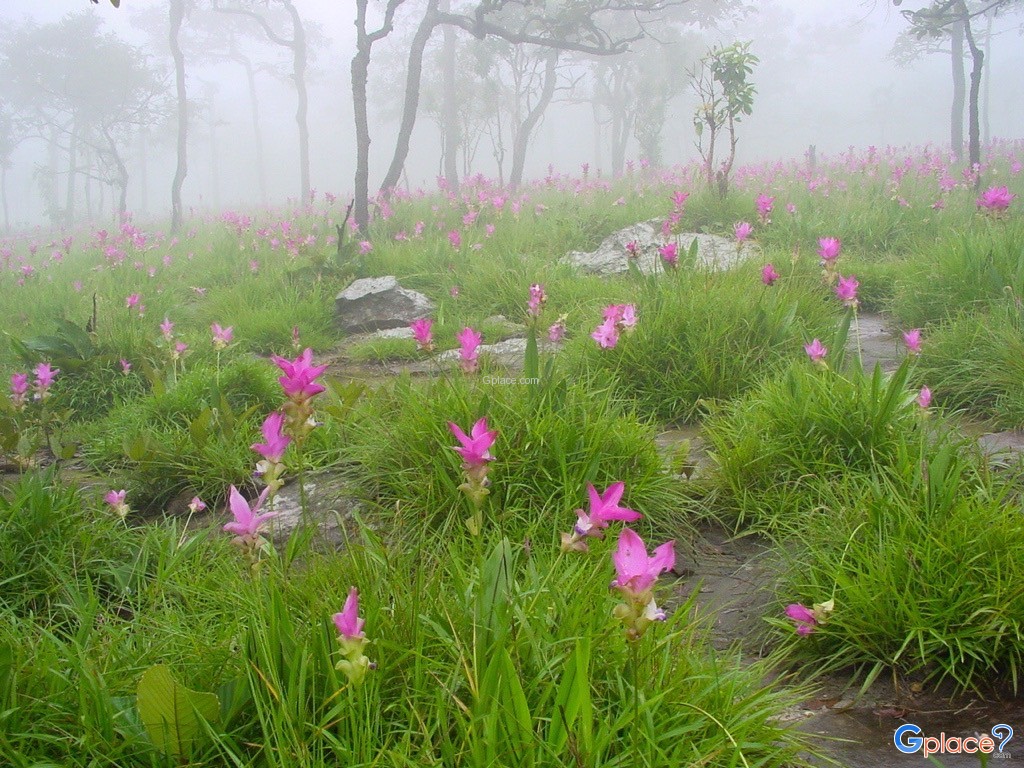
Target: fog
{"points": [[825, 77]]}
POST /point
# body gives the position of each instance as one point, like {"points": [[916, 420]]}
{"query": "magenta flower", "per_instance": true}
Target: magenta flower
{"points": [[299, 380], [125, 366], [764, 204], [196, 505], [536, 300], [167, 329], [632, 249], [44, 379], [248, 522], [180, 349], [222, 336], [769, 275], [829, 248], [670, 254], [816, 351], [635, 571], [995, 199], [846, 290], [455, 239], [132, 301], [348, 623], [117, 503], [924, 398], [804, 618], [791, 209], [19, 389], [423, 333], [607, 334], [476, 446], [275, 442], [742, 230], [557, 331], [603, 509], [679, 199], [469, 344], [365, 246], [912, 339]]}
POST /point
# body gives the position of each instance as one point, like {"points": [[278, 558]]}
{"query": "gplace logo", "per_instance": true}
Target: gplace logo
{"points": [[908, 740]]}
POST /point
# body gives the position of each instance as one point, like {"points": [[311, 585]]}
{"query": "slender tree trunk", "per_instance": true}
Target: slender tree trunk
{"points": [[360, 76], [973, 123], [449, 106], [257, 130], [956, 113], [177, 16], [523, 134], [69, 192], [122, 175], [595, 109], [299, 65], [3, 197], [986, 127], [414, 75]]}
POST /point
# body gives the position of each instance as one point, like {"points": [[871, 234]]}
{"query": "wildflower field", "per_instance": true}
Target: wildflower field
{"points": [[504, 588]]}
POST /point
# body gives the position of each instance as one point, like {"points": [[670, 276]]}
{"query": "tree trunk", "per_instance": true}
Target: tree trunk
{"points": [[299, 64], [523, 134], [973, 123], [3, 197], [956, 114], [360, 75], [69, 195], [122, 175], [257, 130], [414, 75], [177, 16], [449, 106]]}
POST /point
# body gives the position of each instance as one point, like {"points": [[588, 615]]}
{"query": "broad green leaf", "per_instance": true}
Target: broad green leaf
{"points": [[172, 714]]}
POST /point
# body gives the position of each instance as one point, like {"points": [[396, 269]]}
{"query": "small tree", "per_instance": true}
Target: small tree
{"points": [[726, 96]]}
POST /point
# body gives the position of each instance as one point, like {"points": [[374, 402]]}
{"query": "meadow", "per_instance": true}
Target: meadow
{"points": [[165, 389]]}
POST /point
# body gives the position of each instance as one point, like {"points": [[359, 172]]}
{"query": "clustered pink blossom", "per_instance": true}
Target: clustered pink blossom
{"points": [[423, 333], [635, 575], [618, 318], [769, 275], [469, 346]]}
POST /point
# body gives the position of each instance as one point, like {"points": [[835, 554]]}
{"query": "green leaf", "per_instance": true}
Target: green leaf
{"points": [[172, 714], [199, 427]]}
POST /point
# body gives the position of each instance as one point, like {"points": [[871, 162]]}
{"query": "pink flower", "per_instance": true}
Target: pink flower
{"points": [[117, 503], [828, 249], [632, 249], [222, 336], [804, 618], [791, 209], [247, 523], [476, 446], [132, 301], [995, 199], [44, 379], [742, 230], [607, 334], [19, 388], [455, 239], [912, 339], [816, 351], [670, 254], [365, 246], [196, 505], [125, 366], [536, 300], [603, 509], [179, 349], [167, 329], [924, 397], [422, 332], [469, 341], [275, 442], [635, 571], [557, 331], [679, 199], [764, 205], [846, 290], [299, 380], [769, 275], [348, 623]]}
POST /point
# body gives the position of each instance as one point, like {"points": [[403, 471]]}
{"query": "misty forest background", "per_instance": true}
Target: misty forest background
{"points": [[90, 123]]}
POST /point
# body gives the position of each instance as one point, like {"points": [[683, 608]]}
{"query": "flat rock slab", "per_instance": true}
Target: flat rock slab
{"points": [[1006, 446], [878, 344], [612, 258], [510, 353], [377, 303], [331, 506]]}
